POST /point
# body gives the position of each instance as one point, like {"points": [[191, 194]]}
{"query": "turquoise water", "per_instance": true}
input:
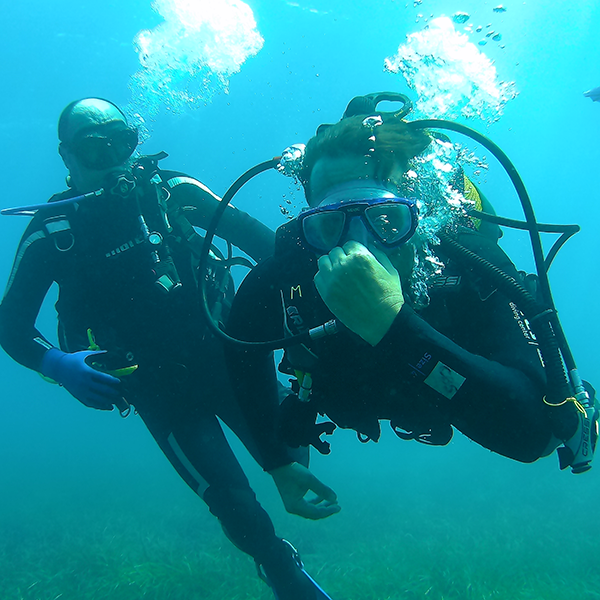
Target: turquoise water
{"points": [[89, 507]]}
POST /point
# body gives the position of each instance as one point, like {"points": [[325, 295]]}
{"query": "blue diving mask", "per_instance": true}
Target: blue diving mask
{"points": [[391, 220]]}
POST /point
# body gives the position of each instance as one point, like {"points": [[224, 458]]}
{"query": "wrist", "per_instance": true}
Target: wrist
{"points": [[382, 322], [50, 366], [282, 469]]}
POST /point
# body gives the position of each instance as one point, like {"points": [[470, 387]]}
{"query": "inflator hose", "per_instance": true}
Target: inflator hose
{"points": [[540, 317]]}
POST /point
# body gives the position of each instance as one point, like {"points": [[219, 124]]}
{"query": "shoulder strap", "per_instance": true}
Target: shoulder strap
{"points": [[184, 229], [58, 225], [59, 230]]}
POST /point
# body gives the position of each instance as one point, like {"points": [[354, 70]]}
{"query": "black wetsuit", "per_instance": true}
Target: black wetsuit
{"points": [[467, 361], [107, 281]]}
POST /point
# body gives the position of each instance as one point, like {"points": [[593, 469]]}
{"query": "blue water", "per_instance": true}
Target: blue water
{"points": [[60, 459]]}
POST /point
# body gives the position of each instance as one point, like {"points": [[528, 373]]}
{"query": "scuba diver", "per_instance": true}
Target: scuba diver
{"points": [[405, 307], [122, 246]]}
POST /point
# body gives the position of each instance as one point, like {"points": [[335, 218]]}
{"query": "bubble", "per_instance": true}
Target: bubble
{"points": [[482, 42], [450, 75], [468, 158], [461, 17], [479, 28], [190, 56], [499, 9], [432, 178], [497, 37], [291, 160]]}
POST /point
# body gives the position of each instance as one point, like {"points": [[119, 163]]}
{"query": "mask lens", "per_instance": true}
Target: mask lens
{"points": [[104, 152], [392, 223], [126, 141], [130, 139], [323, 230]]}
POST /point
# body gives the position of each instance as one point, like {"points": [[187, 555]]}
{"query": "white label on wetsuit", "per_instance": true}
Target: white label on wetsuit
{"points": [[444, 380], [43, 342]]}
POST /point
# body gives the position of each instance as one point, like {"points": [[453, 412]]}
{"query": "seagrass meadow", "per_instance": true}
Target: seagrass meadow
{"points": [[400, 535], [128, 556]]}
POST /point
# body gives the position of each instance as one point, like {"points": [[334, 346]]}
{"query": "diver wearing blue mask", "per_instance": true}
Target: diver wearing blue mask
{"points": [[424, 341]]}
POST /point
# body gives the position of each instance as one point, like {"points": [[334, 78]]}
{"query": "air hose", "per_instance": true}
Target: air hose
{"points": [[538, 315], [303, 338]]}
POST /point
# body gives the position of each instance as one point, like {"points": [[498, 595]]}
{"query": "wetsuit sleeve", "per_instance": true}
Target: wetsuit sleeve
{"points": [[199, 204], [256, 315], [496, 386], [28, 284]]}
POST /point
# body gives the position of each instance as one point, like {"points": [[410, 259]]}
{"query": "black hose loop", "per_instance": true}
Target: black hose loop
{"points": [[540, 317], [214, 326]]}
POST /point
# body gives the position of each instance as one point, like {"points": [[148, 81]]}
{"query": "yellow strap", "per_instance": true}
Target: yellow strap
{"points": [[472, 195], [572, 399], [123, 372], [92, 341], [305, 390], [299, 376]]}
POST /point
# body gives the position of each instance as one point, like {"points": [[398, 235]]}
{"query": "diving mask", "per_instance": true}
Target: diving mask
{"points": [[391, 220], [100, 152]]}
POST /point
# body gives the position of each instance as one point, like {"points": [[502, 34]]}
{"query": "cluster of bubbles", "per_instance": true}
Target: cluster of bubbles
{"points": [[288, 207], [495, 36], [434, 177], [450, 75], [290, 165], [190, 56], [468, 157]]}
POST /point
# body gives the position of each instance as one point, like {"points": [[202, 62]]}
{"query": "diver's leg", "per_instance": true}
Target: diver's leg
{"points": [[196, 446], [223, 403]]}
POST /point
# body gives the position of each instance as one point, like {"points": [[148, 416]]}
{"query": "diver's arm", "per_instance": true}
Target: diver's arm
{"points": [[492, 402], [199, 204], [257, 316], [28, 284], [510, 371], [486, 375]]}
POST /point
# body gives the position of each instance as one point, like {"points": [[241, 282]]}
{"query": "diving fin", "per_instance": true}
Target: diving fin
{"points": [[287, 577]]}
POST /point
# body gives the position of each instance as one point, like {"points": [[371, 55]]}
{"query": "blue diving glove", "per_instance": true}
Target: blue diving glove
{"points": [[91, 387]]}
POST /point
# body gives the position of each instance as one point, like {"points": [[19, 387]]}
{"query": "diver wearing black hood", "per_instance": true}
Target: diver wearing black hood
{"points": [[122, 247]]}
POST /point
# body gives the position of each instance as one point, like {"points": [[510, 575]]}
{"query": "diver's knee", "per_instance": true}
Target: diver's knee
{"points": [[220, 498]]}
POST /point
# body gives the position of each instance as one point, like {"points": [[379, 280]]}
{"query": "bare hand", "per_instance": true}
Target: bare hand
{"points": [[294, 481], [361, 288]]}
